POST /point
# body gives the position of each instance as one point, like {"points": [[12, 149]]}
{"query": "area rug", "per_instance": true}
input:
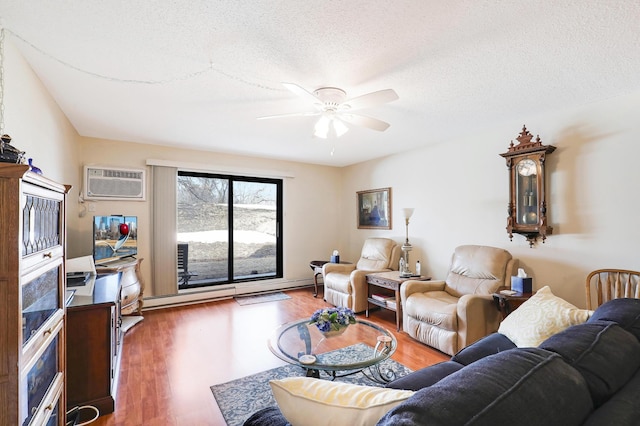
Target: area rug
{"points": [[240, 398], [261, 298]]}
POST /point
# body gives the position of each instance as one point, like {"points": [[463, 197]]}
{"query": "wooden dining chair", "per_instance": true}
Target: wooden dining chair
{"points": [[607, 284]]}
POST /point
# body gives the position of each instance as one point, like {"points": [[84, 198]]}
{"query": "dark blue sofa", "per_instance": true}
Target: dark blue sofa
{"points": [[588, 374]]}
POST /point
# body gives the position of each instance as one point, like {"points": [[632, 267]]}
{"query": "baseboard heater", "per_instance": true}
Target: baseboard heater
{"points": [[189, 297]]}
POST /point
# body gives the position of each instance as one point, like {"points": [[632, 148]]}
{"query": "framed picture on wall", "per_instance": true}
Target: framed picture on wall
{"points": [[374, 209]]}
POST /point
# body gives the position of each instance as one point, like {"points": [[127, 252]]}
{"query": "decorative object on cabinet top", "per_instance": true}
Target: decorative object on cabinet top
{"points": [[8, 152]]}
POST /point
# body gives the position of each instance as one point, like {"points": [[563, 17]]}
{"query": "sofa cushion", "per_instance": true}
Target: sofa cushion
{"points": [[520, 386], [488, 345], [539, 318], [625, 312], [333, 402], [425, 376], [622, 409], [270, 416], [604, 353]]}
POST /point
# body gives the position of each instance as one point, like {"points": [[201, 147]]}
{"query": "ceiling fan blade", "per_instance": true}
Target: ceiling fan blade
{"points": [[293, 114], [303, 93], [361, 120], [371, 99]]}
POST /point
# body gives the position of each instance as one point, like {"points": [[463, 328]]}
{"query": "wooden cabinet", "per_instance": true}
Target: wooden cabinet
{"points": [[94, 341], [32, 288], [131, 282]]}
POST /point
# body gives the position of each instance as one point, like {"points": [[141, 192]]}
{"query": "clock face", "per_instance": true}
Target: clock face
{"points": [[526, 167]]}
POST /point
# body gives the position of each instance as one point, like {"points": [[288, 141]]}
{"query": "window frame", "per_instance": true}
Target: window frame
{"points": [[279, 273]]}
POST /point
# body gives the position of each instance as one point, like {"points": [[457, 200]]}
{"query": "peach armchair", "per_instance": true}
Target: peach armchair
{"points": [[346, 285], [453, 313]]}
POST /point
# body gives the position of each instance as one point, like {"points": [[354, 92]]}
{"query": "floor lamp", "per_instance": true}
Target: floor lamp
{"points": [[405, 272]]}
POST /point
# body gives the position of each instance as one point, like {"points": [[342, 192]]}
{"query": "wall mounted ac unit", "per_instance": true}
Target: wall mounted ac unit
{"points": [[112, 183]]}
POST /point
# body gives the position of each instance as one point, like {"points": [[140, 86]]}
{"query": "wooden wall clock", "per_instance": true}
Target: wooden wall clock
{"points": [[527, 209]]}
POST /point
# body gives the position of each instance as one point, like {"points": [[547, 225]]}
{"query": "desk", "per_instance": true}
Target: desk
{"points": [[391, 281], [94, 343], [316, 267]]}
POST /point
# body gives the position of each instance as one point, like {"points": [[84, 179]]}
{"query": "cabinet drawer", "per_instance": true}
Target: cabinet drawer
{"points": [[129, 278], [130, 294], [381, 282], [41, 259]]}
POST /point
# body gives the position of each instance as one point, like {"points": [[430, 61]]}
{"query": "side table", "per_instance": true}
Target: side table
{"points": [[507, 303], [391, 281], [316, 267]]}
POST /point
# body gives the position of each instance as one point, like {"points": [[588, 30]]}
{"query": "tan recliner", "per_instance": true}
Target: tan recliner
{"points": [[346, 285], [452, 314]]}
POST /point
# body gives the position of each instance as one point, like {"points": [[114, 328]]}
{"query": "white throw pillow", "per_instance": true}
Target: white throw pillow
{"points": [[540, 317], [308, 401]]}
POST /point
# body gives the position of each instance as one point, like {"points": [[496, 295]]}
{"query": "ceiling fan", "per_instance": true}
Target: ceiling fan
{"points": [[334, 109]]}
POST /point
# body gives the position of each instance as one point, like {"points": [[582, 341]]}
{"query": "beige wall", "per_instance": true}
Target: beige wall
{"points": [[310, 227], [459, 191], [36, 124], [458, 188], [38, 127]]}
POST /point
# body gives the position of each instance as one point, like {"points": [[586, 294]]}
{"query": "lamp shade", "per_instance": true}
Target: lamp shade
{"points": [[340, 128], [407, 212], [321, 129]]}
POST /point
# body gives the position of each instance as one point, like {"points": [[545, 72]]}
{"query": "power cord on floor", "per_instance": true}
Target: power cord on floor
{"points": [[74, 413]]}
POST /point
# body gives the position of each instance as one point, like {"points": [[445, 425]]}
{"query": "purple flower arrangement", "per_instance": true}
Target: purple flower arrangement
{"points": [[332, 319]]}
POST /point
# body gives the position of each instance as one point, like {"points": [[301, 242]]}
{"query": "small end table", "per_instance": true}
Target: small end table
{"points": [[392, 281], [316, 267], [507, 303]]}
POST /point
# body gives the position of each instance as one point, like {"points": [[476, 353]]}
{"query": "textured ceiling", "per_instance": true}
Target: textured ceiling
{"points": [[197, 74]]}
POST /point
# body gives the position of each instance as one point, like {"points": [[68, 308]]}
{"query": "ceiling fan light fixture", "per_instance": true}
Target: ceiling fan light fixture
{"points": [[321, 129], [339, 127], [334, 109]]}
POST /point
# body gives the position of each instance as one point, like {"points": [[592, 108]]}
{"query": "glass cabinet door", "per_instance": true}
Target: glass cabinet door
{"points": [[39, 379], [40, 300]]}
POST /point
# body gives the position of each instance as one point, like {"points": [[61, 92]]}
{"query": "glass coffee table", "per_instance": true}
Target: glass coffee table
{"points": [[361, 348]]}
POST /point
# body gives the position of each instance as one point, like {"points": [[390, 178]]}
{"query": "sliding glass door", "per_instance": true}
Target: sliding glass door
{"points": [[229, 227]]}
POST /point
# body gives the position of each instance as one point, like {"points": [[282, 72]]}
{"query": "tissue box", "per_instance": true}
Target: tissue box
{"points": [[335, 259], [522, 285]]}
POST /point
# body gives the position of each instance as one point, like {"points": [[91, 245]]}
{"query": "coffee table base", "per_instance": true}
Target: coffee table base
{"points": [[375, 373]]}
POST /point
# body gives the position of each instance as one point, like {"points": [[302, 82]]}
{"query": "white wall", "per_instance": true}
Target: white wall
{"points": [[459, 191]]}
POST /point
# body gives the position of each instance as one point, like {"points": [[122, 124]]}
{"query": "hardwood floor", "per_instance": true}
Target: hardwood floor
{"points": [[171, 358]]}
